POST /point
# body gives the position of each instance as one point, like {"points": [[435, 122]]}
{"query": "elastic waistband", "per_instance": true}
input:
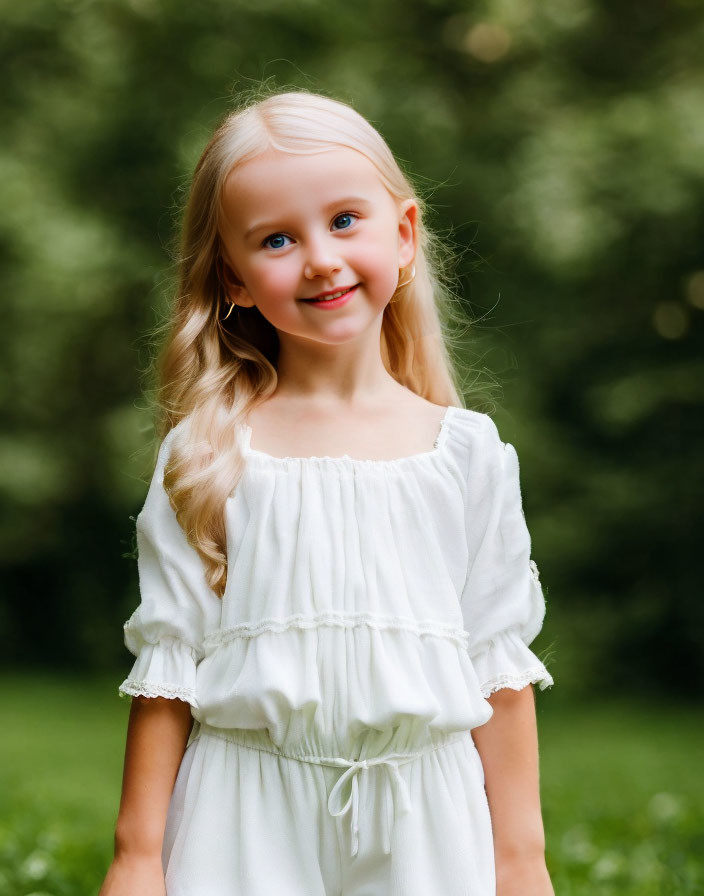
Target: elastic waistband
{"points": [[258, 739]]}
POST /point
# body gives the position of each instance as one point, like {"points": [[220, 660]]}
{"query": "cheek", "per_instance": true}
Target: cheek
{"points": [[273, 280], [378, 264]]}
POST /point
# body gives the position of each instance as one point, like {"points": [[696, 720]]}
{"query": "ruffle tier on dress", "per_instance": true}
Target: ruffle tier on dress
{"points": [[389, 597]]}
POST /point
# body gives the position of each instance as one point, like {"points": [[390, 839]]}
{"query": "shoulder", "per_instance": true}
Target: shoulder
{"points": [[472, 429], [175, 436], [473, 444], [157, 510], [163, 451]]}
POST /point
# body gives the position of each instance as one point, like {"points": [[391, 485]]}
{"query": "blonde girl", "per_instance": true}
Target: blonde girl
{"points": [[333, 686]]}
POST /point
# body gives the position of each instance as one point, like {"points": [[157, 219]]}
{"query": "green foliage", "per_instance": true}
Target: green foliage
{"points": [[560, 146]]}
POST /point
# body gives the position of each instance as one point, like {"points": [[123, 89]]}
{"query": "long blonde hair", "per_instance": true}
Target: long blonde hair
{"points": [[212, 372]]}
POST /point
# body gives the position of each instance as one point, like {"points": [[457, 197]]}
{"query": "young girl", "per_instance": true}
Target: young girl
{"points": [[332, 693]]}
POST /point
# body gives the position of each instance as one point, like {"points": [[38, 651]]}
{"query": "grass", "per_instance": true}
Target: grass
{"points": [[622, 791], [623, 798]]}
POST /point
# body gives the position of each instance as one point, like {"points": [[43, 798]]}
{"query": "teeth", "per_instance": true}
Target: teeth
{"points": [[335, 295]]}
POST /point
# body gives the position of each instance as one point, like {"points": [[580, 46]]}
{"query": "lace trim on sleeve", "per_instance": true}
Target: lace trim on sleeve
{"points": [[131, 688], [518, 681]]}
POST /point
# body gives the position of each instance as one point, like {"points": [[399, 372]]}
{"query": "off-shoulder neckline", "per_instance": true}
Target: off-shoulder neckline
{"points": [[345, 460]]}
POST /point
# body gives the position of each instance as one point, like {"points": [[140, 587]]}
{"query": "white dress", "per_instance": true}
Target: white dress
{"points": [[371, 607]]}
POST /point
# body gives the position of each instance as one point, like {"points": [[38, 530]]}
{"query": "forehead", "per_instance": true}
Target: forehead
{"points": [[278, 181]]}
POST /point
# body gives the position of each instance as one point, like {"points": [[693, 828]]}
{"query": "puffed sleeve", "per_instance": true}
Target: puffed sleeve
{"points": [[502, 602], [177, 607]]}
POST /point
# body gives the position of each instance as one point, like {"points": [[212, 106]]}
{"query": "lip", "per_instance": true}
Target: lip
{"points": [[330, 292], [319, 302]]}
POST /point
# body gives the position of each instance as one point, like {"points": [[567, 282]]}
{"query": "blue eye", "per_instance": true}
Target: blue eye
{"points": [[347, 217], [274, 241]]}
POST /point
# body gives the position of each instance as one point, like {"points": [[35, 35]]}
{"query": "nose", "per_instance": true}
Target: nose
{"points": [[322, 258]]}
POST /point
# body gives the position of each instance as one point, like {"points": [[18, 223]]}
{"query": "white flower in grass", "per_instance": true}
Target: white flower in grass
{"points": [[666, 808], [608, 866], [645, 866], [577, 845], [36, 865]]}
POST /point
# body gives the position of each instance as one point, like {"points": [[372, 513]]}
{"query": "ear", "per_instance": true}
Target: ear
{"points": [[407, 232], [234, 287]]}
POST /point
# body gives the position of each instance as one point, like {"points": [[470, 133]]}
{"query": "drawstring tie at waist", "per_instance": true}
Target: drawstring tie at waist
{"points": [[395, 795], [398, 785]]}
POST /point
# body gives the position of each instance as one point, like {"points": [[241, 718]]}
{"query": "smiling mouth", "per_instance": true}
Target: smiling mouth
{"points": [[328, 297]]}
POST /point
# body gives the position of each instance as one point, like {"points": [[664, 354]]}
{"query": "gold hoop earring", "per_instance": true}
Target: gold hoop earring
{"points": [[405, 283]]}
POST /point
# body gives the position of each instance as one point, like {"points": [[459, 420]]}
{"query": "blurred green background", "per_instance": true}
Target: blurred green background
{"points": [[560, 145]]}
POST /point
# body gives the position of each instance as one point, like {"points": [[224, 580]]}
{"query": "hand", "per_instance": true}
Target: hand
{"points": [[129, 874], [523, 877]]}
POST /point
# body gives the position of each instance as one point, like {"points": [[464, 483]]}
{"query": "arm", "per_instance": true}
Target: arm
{"points": [[503, 608], [165, 634], [157, 734], [508, 747]]}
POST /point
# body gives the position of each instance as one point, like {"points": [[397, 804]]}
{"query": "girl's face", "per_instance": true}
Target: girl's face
{"points": [[298, 227]]}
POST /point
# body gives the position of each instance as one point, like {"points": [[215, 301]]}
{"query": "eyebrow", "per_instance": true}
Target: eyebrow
{"points": [[344, 201]]}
